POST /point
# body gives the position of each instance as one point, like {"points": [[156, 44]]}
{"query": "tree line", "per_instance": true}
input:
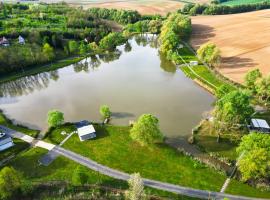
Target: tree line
{"points": [[218, 9]]}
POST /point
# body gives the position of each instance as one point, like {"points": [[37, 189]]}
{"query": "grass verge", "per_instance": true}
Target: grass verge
{"points": [[8, 123]]}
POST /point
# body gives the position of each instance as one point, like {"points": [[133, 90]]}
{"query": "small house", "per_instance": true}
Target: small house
{"points": [[21, 40], [259, 125], [5, 142], [193, 63], [4, 42], [86, 132]]}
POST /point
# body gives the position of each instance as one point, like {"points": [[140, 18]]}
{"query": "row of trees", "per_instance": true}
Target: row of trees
{"points": [[17, 57], [210, 54], [217, 9], [174, 29], [120, 16], [152, 26]]}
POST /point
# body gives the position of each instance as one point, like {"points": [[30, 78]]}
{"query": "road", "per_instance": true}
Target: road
{"points": [[203, 194]]}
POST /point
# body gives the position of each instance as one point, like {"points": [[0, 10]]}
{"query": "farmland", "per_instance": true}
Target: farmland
{"points": [[242, 46], [240, 2]]}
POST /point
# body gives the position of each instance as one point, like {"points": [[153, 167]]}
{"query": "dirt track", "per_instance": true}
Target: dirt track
{"points": [[244, 40]]}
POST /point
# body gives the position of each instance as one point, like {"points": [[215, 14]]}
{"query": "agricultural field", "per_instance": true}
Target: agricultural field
{"points": [[240, 2], [243, 47]]}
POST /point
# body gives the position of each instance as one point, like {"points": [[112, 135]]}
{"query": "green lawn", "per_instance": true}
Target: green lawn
{"points": [[114, 148], [240, 2], [8, 123], [55, 136], [205, 74], [206, 139], [17, 148], [62, 168]]}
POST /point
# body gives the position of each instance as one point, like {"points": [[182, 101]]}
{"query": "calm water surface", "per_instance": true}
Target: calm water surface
{"points": [[134, 80]]}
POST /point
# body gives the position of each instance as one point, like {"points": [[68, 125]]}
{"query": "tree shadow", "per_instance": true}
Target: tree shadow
{"points": [[202, 33], [237, 62], [101, 132], [120, 115]]}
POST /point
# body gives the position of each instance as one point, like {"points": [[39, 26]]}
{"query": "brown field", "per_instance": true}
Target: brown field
{"points": [[244, 41]]}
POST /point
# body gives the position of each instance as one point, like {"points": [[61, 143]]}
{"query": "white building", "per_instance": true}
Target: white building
{"points": [[5, 142], [86, 132], [21, 40], [260, 125]]}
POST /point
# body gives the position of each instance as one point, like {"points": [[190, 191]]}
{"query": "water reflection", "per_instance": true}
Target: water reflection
{"points": [[135, 79]]}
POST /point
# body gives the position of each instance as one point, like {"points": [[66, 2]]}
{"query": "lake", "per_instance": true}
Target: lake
{"points": [[134, 80]]}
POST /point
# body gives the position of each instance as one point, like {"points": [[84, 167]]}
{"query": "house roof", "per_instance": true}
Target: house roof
{"points": [[5, 139], [260, 123], [85, 130]]}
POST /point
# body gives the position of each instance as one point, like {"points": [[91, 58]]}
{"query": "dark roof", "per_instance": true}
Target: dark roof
{"points": [[82, 123]]}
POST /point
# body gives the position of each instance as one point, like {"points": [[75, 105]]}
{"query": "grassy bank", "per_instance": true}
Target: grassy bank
{"points": [[114, 148], [41, 68], [201, 74], [8, 123]]}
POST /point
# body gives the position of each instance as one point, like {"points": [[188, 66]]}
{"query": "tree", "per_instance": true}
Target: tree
{"points": [[136, 188], [105, 111], [146, 130], [55, 118], [83, 48], [73, 47], [222, 90], [210, 54], [255, 163], [251, 78], [10, 182], [48, 52], [233, 109], [111, 41], [263, 88], [79, 176]]}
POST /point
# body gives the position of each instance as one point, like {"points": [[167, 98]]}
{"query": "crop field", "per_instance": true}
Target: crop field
{"points": [[239, 2], [243, 39]]}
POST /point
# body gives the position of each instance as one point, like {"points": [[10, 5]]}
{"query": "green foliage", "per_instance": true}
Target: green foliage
{"points": [[251, 77], [234, 108], [174, 29], [210, 54], [220, 9], [73, 47], [79, 176], [55, 118], [48, 52], [10, 182], [121, 16], [105, 111], [255, 163], [111, 41], [152, 26], [222, 90], [263, 88], [136, 189], [146, 130]]}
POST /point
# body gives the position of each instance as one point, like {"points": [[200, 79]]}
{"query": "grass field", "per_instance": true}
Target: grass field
{"points": [[113, 147], [240, 2], [61, 170]]}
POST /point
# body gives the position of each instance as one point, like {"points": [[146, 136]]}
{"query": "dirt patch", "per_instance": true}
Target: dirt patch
{"points": [[243, 39]]}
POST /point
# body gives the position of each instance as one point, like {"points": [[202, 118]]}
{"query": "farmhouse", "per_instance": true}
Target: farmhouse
{"points": [[260, 125], [4, 42], [5, 142], [86, 132]]}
